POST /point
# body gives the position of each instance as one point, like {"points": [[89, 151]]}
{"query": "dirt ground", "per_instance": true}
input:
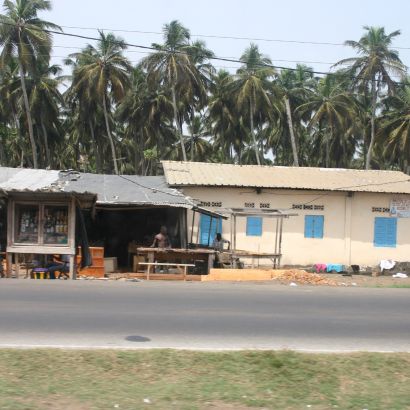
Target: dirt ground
{"points": [[367, 280]]}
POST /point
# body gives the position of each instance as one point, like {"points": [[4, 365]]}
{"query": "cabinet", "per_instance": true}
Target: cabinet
{"points": [[97, 269]]}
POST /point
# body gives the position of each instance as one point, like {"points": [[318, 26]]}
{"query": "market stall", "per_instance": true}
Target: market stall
{"points": [[42, 225]]}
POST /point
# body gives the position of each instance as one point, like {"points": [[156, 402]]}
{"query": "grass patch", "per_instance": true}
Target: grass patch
{"points": [[80, 380]]}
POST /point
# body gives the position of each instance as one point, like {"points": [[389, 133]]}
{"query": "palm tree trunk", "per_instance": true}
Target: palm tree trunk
{"points": [[95, 148], [181, 140], [107, 125], [291, 132], [327, 138], [2, 153], [28, 113], [45, 137], [372, 125], [255, 145], [192, 147]]}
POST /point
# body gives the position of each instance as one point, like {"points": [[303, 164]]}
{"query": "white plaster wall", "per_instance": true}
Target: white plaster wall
{"points": [[348, 225]]}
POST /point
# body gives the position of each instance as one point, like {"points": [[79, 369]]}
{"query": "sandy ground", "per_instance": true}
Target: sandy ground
{"points": [[367, 280]]}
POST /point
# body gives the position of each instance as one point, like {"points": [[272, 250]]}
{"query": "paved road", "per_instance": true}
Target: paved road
{"points": [[202, 316]]}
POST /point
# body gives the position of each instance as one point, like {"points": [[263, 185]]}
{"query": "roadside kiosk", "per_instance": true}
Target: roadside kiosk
{"points": [[41, 224]]}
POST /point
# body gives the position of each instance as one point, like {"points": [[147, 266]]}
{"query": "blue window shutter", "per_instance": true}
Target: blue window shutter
{"points": [[254, 226], [309, 226], [204, 233], [385, 232], [318, 226], [314, 226], [391, 232], [204, 229]]}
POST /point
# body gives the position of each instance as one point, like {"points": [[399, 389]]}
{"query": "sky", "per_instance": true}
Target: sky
{"points": [[298, 20]]}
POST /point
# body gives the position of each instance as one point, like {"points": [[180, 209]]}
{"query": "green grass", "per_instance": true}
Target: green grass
{"points": [[78, 380]]}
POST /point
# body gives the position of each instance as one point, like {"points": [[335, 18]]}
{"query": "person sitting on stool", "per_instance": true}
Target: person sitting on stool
{"points": [[60, 264]]}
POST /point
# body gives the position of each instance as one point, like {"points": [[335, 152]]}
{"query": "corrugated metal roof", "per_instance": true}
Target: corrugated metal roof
{"points": [[125, 189], [108, 189], [180, 174]]}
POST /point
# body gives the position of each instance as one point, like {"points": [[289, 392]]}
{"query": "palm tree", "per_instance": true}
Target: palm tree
{"points": [[251, 86], [45, 102], [198, 140], [24, 35], [291, 86], [332, 109], [173, 66], [103, 73], [395, 128], [147, 116], [373, 69]]}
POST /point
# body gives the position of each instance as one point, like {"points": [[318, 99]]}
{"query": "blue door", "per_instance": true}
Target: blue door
{"points": [[208, 229]]}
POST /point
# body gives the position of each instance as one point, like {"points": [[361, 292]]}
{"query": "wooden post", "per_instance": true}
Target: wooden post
{"points": [[185, 272], [210, 262], [9, 264], [148, 271], [73, 271], [192, 226], [17, 264]]}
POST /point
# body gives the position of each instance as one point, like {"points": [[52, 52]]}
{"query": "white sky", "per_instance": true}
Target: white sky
{"points": [[313, 20]]}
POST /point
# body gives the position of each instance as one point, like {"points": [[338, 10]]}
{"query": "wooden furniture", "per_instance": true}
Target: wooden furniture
{"points": [[180, 266], [97, 269], [274, 257], [177, 255]]}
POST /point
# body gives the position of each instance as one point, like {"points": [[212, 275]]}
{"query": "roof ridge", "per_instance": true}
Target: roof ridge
{"points": [[283, 167]]}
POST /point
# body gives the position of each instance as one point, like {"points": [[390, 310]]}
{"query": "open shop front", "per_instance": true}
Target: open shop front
{"points": [[126, 234], [121, 230]]}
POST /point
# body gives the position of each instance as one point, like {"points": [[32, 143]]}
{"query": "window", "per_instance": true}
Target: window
{"points": [[264, 205], [249, 204], [26, 227], [314, 226], [385, 232], [43, 224], [208, 229], [254, 226]]}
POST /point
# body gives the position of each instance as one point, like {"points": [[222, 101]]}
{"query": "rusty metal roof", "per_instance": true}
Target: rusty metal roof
{"points": [[180, 174]]}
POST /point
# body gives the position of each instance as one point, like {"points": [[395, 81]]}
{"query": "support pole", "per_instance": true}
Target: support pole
{"points": [[192, 226], [73, 271], [9, 264], [280, 240], [210, 228]]}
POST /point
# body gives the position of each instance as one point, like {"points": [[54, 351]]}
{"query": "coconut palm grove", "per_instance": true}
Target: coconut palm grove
{"points": [[101, 113]]}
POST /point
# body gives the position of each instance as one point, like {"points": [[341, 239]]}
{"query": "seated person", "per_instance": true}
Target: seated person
{"points": [[60, 264], [218, 243]]}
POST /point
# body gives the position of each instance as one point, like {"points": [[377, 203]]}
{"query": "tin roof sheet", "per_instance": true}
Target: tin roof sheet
{"points": [[180, 174], [108, 189]]}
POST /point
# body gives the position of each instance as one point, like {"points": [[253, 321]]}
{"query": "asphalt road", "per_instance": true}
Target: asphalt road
{"points": [[194, 315]]}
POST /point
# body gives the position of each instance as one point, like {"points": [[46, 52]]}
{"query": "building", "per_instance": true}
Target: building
{"points": [[40, 212], [342, 215]]}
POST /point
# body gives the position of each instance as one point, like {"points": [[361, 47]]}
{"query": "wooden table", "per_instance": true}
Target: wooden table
{"points": [[274, 257], [178, 255]]}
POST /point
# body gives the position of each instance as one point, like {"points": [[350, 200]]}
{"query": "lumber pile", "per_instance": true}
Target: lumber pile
{"points": [[302, 277]]}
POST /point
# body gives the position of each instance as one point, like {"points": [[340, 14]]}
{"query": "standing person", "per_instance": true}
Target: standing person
{"points": [[218, 243], [161, 240]]}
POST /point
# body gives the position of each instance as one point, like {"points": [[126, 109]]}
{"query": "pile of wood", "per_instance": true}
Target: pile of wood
{"points": [[302, 277]]}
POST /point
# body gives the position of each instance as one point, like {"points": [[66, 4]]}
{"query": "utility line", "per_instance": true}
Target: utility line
{"points": [[324, 43], [230, 60]]}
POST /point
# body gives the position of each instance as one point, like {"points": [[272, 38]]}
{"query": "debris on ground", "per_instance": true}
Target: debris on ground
{"points": [[400, 275], [302, 277]]}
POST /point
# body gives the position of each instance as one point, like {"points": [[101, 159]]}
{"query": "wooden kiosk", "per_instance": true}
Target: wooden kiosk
{"points": [[41, 224]]}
